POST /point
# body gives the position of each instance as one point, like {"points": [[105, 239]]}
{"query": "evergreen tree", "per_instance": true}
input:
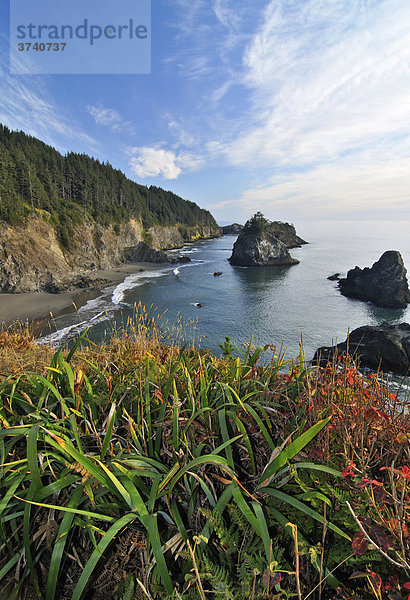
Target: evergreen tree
{"points": [[35, 177]]}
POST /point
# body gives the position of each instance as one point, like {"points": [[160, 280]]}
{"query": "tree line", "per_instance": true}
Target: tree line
{"points": [[36, 178]]}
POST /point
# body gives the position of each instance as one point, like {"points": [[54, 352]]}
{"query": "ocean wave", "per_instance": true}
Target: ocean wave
{"points": [[93, 305], [133, 281], [190, 251], [59, 337]]}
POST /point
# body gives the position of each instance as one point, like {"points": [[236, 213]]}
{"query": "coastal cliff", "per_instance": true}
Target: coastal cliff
{"points": [[33, 259], [62, 217], [234, 229]]}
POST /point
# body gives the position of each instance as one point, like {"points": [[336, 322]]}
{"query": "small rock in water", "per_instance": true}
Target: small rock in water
{"points": [[334, 277], [217, 273]]}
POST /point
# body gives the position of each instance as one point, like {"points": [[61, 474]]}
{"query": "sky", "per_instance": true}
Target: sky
{"points": [[297, 108]]}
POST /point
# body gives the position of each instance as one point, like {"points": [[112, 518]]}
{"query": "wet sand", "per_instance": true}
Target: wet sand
{"points": [[37, 308]]}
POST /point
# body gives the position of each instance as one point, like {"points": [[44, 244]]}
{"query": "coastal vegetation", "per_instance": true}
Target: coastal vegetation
{"points": [[67, 190], [145, 469]]}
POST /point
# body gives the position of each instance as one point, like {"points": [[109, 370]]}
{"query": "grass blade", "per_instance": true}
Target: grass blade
{"points": [[294, 448], [59, 545], [98, 553], [283, 497]]}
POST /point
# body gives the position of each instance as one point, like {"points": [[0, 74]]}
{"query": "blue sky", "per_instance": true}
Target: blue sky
{"points": [[297, 108]]}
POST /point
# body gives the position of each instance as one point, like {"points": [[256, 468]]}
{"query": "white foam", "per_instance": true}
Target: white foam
{"points": [[93, 305], [133, 281]]}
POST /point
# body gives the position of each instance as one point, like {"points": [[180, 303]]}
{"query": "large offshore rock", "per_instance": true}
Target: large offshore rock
{"points": [[384, 346], [385, 284], [286, 233], [258, 245], [260, 251]]}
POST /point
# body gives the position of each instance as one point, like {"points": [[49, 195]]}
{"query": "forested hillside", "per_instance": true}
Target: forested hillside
{"points": [[35, 177]]}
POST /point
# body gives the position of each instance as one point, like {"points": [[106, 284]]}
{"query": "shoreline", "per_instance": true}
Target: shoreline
{"points": [[36, 310]]}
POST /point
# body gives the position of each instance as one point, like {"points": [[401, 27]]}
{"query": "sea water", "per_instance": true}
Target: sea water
{"points": [[281, 306]]}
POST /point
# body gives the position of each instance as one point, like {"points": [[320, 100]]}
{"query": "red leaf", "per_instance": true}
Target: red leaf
{"points": [[406, 585], [379, 494], [376, 578], [363, 483], [379, 536], [371, 574], [359, 544]]}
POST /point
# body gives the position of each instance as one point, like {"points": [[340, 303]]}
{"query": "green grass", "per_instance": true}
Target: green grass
{"points": [[138, 469]]}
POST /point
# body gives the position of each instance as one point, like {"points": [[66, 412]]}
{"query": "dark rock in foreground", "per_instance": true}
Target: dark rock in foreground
{"points": [[334, 277], [259, 244], [234, 229], [385, 284], [386, 347]]}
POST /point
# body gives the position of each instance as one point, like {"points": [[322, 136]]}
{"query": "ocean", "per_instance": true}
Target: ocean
{"points": [[281, 306]]}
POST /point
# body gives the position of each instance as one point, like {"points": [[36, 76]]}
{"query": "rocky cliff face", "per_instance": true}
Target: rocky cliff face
{"points": [[286, 233], [234, 229], [258, 250], [31, 258], [167, 238], [385, 284]]}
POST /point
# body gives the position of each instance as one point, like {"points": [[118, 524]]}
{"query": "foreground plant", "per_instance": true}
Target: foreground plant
{"points": [[169, 473]]}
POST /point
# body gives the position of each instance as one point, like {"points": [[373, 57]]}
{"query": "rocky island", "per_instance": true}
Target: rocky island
{"points": [[385, 283], [265, 243]]}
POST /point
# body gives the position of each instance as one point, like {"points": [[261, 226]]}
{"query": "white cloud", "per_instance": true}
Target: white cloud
{"points": [[329, 112], [209, 39], [377, 187], [326, 79], [26, 104], [153, 162], [107, 117]]}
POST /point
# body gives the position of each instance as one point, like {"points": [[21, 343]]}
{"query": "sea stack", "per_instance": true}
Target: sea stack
{"points": [[259, 244], [385, 283]]}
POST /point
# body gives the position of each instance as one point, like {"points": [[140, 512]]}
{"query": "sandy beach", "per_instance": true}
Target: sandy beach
{"points": [[36, 308]]}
